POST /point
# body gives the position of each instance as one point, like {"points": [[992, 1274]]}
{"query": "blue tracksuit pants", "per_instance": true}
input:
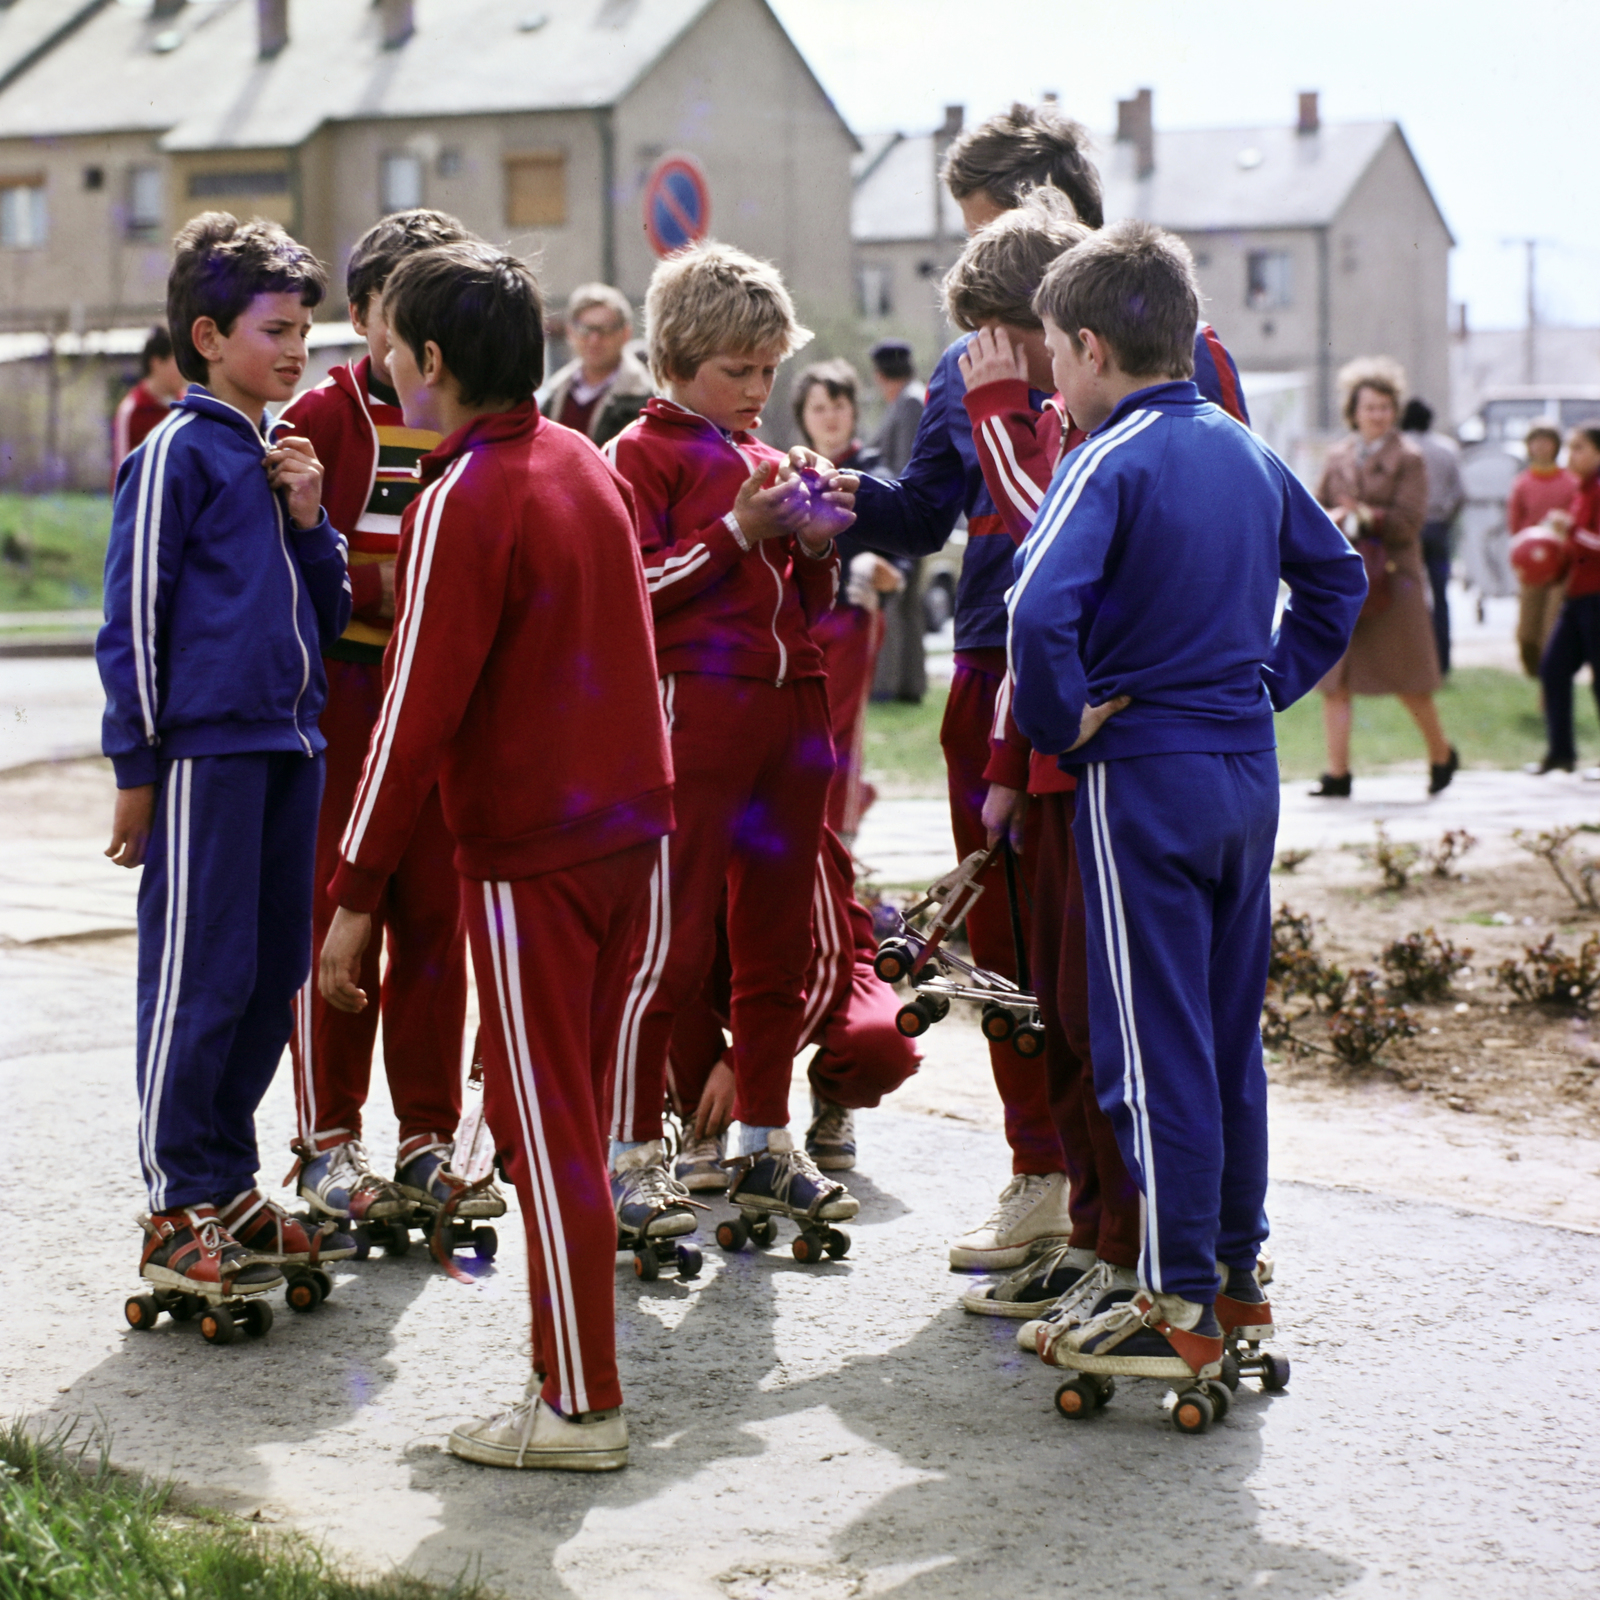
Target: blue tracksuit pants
{"points": [[1175, 852], [224, 944]]}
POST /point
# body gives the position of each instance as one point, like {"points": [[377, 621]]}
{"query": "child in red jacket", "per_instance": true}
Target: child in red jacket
{"points": [[519, 567], [370, 458], [1576, 639], [739, 558]]}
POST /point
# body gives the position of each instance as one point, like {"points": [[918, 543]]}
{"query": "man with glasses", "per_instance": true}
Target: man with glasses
{"points": [[604, 387]]}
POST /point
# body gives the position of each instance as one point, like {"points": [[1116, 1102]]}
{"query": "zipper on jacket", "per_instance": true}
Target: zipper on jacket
{"points": [[783, 654], [294, 618]]}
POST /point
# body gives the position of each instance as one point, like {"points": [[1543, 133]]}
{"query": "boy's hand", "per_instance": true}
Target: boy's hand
{"points": [[990, 357], [1004, 811], [340, 963], [130, 825], [802, 457], [292, 467], [770, 506], [715, 1111], [1096, 717], [386, 578]]}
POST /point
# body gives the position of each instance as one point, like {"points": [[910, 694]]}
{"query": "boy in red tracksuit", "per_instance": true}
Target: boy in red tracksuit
{"points": [[1576, 640], [353, 419], [519, 568], [739, 558]]}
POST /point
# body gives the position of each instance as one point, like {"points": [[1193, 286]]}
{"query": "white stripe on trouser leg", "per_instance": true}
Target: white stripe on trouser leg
{"points": [[825, 936], [558, 1270], [1134, 1093], [303, 1032], [658, 937], [180, 783]]}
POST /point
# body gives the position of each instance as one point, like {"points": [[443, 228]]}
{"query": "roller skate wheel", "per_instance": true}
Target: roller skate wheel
{"points": [[1194, 1412], [998, 1024], [733, 1234], [141, 1311], [645, 1266], [485, 1243], [1221, 1399], [323, 1281], [301, 1295], [690, 1261], [217, 1326], [1078, 1398], [397, 1241], [1274, 1373], [809, 1246], [258, 1319], [1230, 1369], [1108, 1387], [765, 1232], [364, 1242], [893, 960], [1028, 1040], [185, 1307], [913, 1019], [836, 1242]]}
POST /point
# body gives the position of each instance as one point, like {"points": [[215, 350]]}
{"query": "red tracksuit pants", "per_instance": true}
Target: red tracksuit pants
{"points": [[861, 1055], [751, 766], [1102, 1198], [551, 954], [850, 638], [423, 997], [1024, 1093]]}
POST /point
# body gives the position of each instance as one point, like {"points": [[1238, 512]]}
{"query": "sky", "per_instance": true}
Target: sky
{"points": [[1497, 99]]}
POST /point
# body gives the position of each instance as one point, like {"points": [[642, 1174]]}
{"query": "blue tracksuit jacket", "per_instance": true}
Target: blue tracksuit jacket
{"points": [[1152, 571], [217, 607]]}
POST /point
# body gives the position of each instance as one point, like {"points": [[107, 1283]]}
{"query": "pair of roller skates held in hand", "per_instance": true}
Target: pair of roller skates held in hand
{"points": [[219, 1264], [656, 1205], [452, 1203], [1096, 1321]]}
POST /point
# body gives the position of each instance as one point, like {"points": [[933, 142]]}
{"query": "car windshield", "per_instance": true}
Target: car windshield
{"points": [[1508, 420], [1580, 413]]}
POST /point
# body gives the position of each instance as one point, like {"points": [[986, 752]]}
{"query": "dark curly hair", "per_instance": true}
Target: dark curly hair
{"points": [[387, 243], [1022, 149]]}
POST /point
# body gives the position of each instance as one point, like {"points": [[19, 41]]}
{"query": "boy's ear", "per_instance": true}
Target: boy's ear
{"points": [[358, 318], [206, 337], [1099, 352], [432, 367]]}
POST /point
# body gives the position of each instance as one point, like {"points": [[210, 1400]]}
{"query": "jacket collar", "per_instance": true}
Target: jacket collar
{"points": [[519, 422], [202, 402], [1173, 394]]}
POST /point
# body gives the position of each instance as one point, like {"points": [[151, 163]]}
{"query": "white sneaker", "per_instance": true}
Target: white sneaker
{"points": [[1031, 1207], [533, 1435], [1079, 1303]]}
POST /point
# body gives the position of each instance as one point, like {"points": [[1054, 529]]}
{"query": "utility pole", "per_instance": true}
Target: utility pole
{"points": [[1530, 349]]}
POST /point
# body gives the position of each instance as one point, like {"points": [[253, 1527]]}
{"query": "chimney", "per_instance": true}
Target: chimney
{"points": [[272, 27], [162, 9], [399, 22], [1136, 126], [954, 118], [1310, 118]]}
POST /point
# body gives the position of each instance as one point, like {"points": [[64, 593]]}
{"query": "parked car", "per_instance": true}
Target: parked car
{"points": [[1506, 414]]}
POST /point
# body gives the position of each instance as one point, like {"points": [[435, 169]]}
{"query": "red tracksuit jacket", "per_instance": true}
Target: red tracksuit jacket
{"points": [[717, 607], [521, 676]]}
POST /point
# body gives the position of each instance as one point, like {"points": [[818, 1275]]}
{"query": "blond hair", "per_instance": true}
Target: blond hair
{"points": [[1381, 373], [588, 295], [1003, 264], [711, 298]]}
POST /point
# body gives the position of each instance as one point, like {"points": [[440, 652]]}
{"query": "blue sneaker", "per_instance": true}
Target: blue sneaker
{"points": [[650, 1202], [783, 1181], [831, 1138], [339, 1182], [699, 1165], [423, 1175]]}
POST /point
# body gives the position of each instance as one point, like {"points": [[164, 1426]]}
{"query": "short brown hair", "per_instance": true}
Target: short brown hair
{"points": [[711, 297], [1022, 149], [1003, 264], [1380, 373], [219, 266], [387, 243], [1133, 284], [588, 295], [484, 311], [837, 377], [1544, 430]]}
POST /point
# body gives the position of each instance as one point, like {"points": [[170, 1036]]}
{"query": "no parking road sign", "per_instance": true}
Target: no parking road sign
{"points": [[677, 204]]}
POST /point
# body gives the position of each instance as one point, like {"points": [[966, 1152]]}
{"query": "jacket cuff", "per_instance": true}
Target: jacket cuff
{"points": [[991, 399], [366, 591], [356, 888], [1008, 764], [319, 540], [136, 769]]}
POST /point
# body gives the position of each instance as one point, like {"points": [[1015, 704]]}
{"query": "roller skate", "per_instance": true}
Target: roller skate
{"points": [[1149, 1336], [196, 1268], [653, 1210], [698, 1165], [1052, 1268], [452, 1209], [831, 1138], [298, 1244], [1101, 1286], [1246, 1320], [1031, 1210], [339, 1182], [782, 1181]]}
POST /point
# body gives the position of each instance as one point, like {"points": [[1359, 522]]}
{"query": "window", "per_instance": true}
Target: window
{"points": [[536, 189], [94, 178], [22, 215], [144, 202], [872, 291], [1267, 280], [218, 185], [399, 183], [449, 163]]}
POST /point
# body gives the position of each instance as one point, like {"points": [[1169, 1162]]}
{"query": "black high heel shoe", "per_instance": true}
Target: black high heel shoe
{"points": [[1332, 788], [1441, 772]]}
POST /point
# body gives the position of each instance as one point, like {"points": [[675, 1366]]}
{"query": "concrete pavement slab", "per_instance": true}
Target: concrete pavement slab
{"points": [[50, 709]]}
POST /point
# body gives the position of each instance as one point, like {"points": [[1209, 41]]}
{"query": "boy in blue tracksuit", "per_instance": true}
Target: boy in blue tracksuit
{"points": [[224, 584], [1142, 642]]}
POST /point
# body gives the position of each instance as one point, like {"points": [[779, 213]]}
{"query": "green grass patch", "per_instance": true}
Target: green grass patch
{"points": [[52, 551], [1492, 718], [73, 1528]]}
